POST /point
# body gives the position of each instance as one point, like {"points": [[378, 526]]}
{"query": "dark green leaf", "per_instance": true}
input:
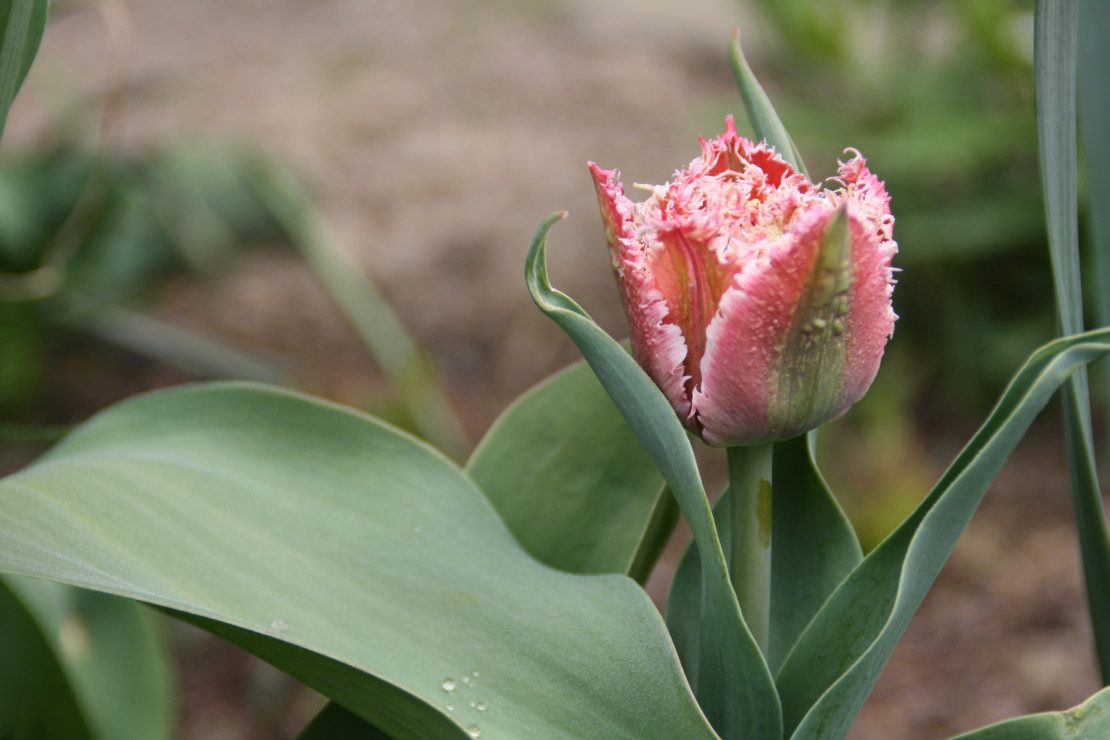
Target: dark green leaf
{"points": [[22, 23], [1056, 28], [336, 723]]}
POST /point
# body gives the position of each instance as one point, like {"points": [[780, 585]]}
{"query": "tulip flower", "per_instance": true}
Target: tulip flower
{"points": [[759, 302]]}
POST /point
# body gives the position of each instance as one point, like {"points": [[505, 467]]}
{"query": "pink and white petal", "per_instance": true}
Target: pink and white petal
{"points": [[870, 319], [658, 346], [616, 209]]}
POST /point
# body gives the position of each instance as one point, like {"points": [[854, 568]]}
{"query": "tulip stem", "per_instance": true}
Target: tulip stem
{"points": [[749, 470]]}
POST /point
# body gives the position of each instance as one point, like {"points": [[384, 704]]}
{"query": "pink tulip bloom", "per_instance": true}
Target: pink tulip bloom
{"points": [[754, 319]]}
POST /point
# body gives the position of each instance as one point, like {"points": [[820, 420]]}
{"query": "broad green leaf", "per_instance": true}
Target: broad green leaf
{"points": [[571, 480], [1055, 31], [79, 664], [813, 547], [349, 554], [729, 676], [336, 723], [837, 660], [22, 23], [760, 111], [1089, 721]]}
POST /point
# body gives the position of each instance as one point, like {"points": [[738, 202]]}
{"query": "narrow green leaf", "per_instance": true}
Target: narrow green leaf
{"points": [[1089, 721], [571, 480], [837, 660], [350, 555], [22, 23], [761, 113], [813, 548], [1055, 31], [336, 723], [79, 664], [730, 676]]}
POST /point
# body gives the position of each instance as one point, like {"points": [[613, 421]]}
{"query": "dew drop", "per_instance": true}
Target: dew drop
{"points": [[450, 707], [819, 323], [474, 731], [473, 705], [466, 680], [838, 326], [481, 706], [278, 625], [416, 529], [449, 684], [476, 674]]}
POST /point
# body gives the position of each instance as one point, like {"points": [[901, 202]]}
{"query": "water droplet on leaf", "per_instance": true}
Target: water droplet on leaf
{"points": [[449, 684]]}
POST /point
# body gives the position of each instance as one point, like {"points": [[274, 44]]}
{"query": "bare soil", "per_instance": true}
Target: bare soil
{"points": [[436, 134]]}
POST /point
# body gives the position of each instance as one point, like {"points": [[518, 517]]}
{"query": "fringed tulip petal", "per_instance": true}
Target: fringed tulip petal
{"points": [[759, 302]]}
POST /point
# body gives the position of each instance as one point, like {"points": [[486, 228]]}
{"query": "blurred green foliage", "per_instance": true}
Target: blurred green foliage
{"points": [[939, 97]]}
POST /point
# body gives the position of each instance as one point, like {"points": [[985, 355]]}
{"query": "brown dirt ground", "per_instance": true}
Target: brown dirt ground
{"points": [[436, 135]]}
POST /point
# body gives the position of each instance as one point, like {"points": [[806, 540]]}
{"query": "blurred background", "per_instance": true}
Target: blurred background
{"points": [[192, 190]]}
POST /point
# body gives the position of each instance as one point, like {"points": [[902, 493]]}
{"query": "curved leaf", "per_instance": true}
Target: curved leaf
{"points": [[1088, 721], [761, 113], [729, 674], [813, 548], [22, 23], [571, 480], [353, 556], [79, 664], [838, 658]]}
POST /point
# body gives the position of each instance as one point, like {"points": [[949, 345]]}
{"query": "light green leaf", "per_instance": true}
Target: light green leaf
{"points": [[22, 23], [1055, 31], [1089, 721], [79, 664], [350, 555], [571, 480], [837, 660], [761, 113], [729, 675]]}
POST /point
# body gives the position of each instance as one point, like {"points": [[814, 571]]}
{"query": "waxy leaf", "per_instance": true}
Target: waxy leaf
{"points": [[837, 660], [572, 482], [1055, 32], [813, 547], [729, 676], [22, 23], [1089, 721], [358, 559], [765, 121]]}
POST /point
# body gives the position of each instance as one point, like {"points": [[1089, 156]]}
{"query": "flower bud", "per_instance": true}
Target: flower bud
{"points": [[759, 302]]}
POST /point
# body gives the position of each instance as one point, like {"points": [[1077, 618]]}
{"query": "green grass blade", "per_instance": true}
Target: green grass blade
{"points": [[349, 554], [730, 677], [1056, 29], [571, 480], [837, 660], [22, 23]]}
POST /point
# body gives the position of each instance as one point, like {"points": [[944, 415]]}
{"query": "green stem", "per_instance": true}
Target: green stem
{"points": [[749, 470]]}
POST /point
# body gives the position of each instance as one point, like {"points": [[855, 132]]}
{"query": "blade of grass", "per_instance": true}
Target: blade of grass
{"points": [[1055, 64]]}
